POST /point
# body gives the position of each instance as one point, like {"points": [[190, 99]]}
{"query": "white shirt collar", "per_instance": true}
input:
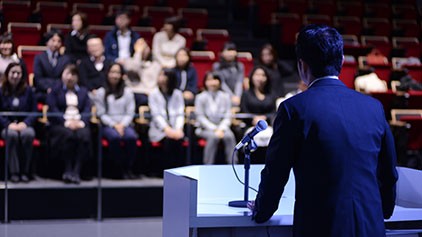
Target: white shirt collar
{"points": [[321, 78]]}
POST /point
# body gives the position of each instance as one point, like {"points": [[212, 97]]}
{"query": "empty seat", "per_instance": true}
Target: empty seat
{"points": [[405, 11], [409, 46], [289, 24], [25, 33], [53, 12], [348, 71], [94, 11], [350, 8], [145, 32], [202, 61], [322, 7], [28, 53], [377, 10], [214, 38], [64, 28], [294, 6], [265, 9], [100, 30], [377, 26], [194, 18], [16, 11], [189, 36], [317, 19], [348, 25], [247, 60], [406, 28], [178, 4], [157, 15]]}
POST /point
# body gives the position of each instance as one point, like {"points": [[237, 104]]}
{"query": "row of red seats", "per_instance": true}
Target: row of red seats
{"points": [[358, 9], [20, 11], [290, 23]]}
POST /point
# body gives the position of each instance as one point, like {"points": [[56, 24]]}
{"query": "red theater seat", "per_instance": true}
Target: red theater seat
{"points": [[94, 11], [25, 33], [202, 61], [214, 38]]}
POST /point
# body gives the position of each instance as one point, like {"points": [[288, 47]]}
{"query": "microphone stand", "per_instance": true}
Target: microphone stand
{"points": [[248, 149]]}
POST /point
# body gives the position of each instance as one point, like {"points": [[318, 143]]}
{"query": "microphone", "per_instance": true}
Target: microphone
{"points": [[260, 126]]}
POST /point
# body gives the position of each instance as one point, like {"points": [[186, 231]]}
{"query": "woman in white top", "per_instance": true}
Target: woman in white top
{"points": [[167, 42], [116, 108], [167, 110], [213, 113]]}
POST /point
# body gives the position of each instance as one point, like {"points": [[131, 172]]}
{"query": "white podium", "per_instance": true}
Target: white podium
{"points": [[196, 203]]}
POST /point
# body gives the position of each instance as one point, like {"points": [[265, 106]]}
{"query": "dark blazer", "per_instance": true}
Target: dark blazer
{"points": [[76, 46], [45, 75], [56, 101], [192, 79], [112, 47], [27, 103], [89, 77], [341, 149]]}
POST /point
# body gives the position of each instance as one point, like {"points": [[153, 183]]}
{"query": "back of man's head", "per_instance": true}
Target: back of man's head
{"points": [[321, 47]]}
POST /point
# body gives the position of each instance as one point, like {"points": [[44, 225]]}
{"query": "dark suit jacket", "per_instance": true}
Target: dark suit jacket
{"points": [[89, 77], [56, 101], [27, 103], [45, 75], [341, 149]]}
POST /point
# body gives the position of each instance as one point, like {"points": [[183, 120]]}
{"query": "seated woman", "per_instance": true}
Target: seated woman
{"points": [[187, 77], [8, 55], [16, 96], [213, 113], [231, 72], [168, 118], [260, 103], [116, 107], [70, 134]]}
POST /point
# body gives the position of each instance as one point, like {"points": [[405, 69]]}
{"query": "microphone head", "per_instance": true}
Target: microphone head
{"points": [[261, 125]]}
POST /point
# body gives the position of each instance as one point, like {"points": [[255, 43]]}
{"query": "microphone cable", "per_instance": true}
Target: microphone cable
{"points": [[237, 176]]}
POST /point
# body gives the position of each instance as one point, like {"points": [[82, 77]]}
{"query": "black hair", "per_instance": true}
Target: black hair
{"points": [[120, 87], [6, 87], [175, 21], [171, 80], [214, 76], [272, 50], [84, 19], [321, 47], [267, 87], [184, 67], [48, 35]]}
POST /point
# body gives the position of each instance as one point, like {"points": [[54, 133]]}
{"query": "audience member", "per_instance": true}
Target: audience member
{"points": [[213, 113], [8, 55], [92, 70], [70, 134], [167, 42], [258, 100], [301, 88], [116, 108], [231, 72], [75, 41], [142, 72], [49, 65], [16, 96], [119, 42], [167, 111], [268, 58], [187, 77]]}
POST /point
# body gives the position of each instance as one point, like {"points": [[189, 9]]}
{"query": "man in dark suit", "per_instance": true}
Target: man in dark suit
{"points": [[48, 66], [339, 145]]}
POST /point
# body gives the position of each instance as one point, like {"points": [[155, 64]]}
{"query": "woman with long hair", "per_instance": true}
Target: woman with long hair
{"points": [[16, 96], [116, 108]]}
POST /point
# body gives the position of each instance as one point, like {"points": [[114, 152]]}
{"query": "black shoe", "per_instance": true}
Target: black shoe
{"points": [[14, 178], [24, 178]]}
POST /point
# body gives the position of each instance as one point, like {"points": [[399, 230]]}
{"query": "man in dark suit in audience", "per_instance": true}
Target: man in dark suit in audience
{"points": [[49, 65], [339, 145]]}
